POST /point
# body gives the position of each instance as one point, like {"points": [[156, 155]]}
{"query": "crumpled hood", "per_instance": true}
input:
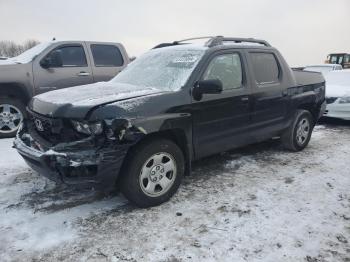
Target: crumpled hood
{"points": [[333, 90], [76, 102]]}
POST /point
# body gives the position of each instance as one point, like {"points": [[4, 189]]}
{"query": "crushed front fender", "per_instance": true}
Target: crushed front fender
{"points": [[83, 162]]}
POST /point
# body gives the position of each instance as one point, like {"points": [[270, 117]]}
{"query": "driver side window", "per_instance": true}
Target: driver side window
{"points": [[68, 56], [228, 69]]}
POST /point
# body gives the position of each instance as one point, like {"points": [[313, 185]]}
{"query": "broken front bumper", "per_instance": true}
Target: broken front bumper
{"points": [[77, 163]]}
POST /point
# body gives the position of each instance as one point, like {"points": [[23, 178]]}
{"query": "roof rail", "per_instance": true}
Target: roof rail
{"points": [[195, 38], [219, 40], [216, 40], [180, 42]]}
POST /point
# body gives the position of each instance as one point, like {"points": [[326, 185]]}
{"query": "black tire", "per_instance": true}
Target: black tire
{"points": [[139, 158], [291, 139], [15, 105]]}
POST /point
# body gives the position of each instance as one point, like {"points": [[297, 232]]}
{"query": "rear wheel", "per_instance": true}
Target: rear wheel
{"points": [[153, 173], [12, 112], [298, 136]]}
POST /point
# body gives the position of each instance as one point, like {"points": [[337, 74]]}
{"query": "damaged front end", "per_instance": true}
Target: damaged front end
{"points": [[62, 151]]}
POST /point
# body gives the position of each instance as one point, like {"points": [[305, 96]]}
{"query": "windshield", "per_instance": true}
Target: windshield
{"points": [[167, 69], [28, 56]]}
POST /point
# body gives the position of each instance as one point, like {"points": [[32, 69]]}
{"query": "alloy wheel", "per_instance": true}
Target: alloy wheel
{"points": [[10, 118], [302, 132]]}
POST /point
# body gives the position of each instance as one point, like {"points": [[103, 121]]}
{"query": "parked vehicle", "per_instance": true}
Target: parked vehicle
{"points": [[3, 58], [169, 107], [324, 69], [338, 94], [50, 66], [342, 59]]}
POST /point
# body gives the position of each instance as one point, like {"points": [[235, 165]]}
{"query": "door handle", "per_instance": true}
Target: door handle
{"points": [[83, 74], [245, 99]]}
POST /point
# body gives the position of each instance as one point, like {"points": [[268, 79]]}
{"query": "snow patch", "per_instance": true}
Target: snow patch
{"points": [[257, 203]]}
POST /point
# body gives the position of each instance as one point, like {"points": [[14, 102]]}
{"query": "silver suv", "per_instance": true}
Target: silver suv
{"points": [[50, 66]]}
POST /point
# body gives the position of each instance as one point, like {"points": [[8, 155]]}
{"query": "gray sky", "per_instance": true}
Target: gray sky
{"points": [[305, 31]]}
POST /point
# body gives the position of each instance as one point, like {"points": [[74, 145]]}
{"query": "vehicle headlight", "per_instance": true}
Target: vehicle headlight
{"points": [[88, 128], [344, 100]]}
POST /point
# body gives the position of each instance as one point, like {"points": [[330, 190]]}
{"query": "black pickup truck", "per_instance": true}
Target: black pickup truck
{"points": [[175, 104]]}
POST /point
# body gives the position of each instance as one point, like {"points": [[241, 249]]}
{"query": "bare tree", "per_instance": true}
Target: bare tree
{"points": [[11, 49], [29, 44]]}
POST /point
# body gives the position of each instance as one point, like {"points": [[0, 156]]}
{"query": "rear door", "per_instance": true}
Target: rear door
{"points": [[269, 93], [107, 60], [75, 69], [220, 121]]}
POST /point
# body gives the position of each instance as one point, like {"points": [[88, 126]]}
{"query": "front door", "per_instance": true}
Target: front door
{"points": [[73, 69], [220, 120]]}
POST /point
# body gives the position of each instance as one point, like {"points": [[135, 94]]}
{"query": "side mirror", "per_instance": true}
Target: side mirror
{"points": [[45, 63], [54, 59], [210, 86]]}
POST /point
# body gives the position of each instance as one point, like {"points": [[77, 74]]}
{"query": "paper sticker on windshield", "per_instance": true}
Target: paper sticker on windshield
{"points": [[183, 61]]}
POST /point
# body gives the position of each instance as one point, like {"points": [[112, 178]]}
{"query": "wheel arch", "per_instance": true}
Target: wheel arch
{"points": [[15, 90], [312, 108], [176, 135]]}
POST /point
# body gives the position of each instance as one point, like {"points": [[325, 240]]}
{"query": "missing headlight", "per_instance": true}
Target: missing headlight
{"points": [[88, 128]]}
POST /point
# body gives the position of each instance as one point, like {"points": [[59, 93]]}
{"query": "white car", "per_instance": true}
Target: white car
{"points": [[338, 94], [324, 69]]}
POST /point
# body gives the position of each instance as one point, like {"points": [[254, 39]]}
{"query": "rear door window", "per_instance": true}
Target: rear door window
{"points": [[265, 68], [106, 56]]}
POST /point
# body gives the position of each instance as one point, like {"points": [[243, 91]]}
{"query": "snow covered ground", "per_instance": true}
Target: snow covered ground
{"points": [[259, 203]]}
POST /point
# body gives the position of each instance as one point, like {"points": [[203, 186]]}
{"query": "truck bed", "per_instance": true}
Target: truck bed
{"points": [[303, 78]]}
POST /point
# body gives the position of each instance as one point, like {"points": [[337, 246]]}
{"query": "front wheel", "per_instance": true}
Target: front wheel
{"points": [[12, 112], [153, 173], [298, 135]]}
